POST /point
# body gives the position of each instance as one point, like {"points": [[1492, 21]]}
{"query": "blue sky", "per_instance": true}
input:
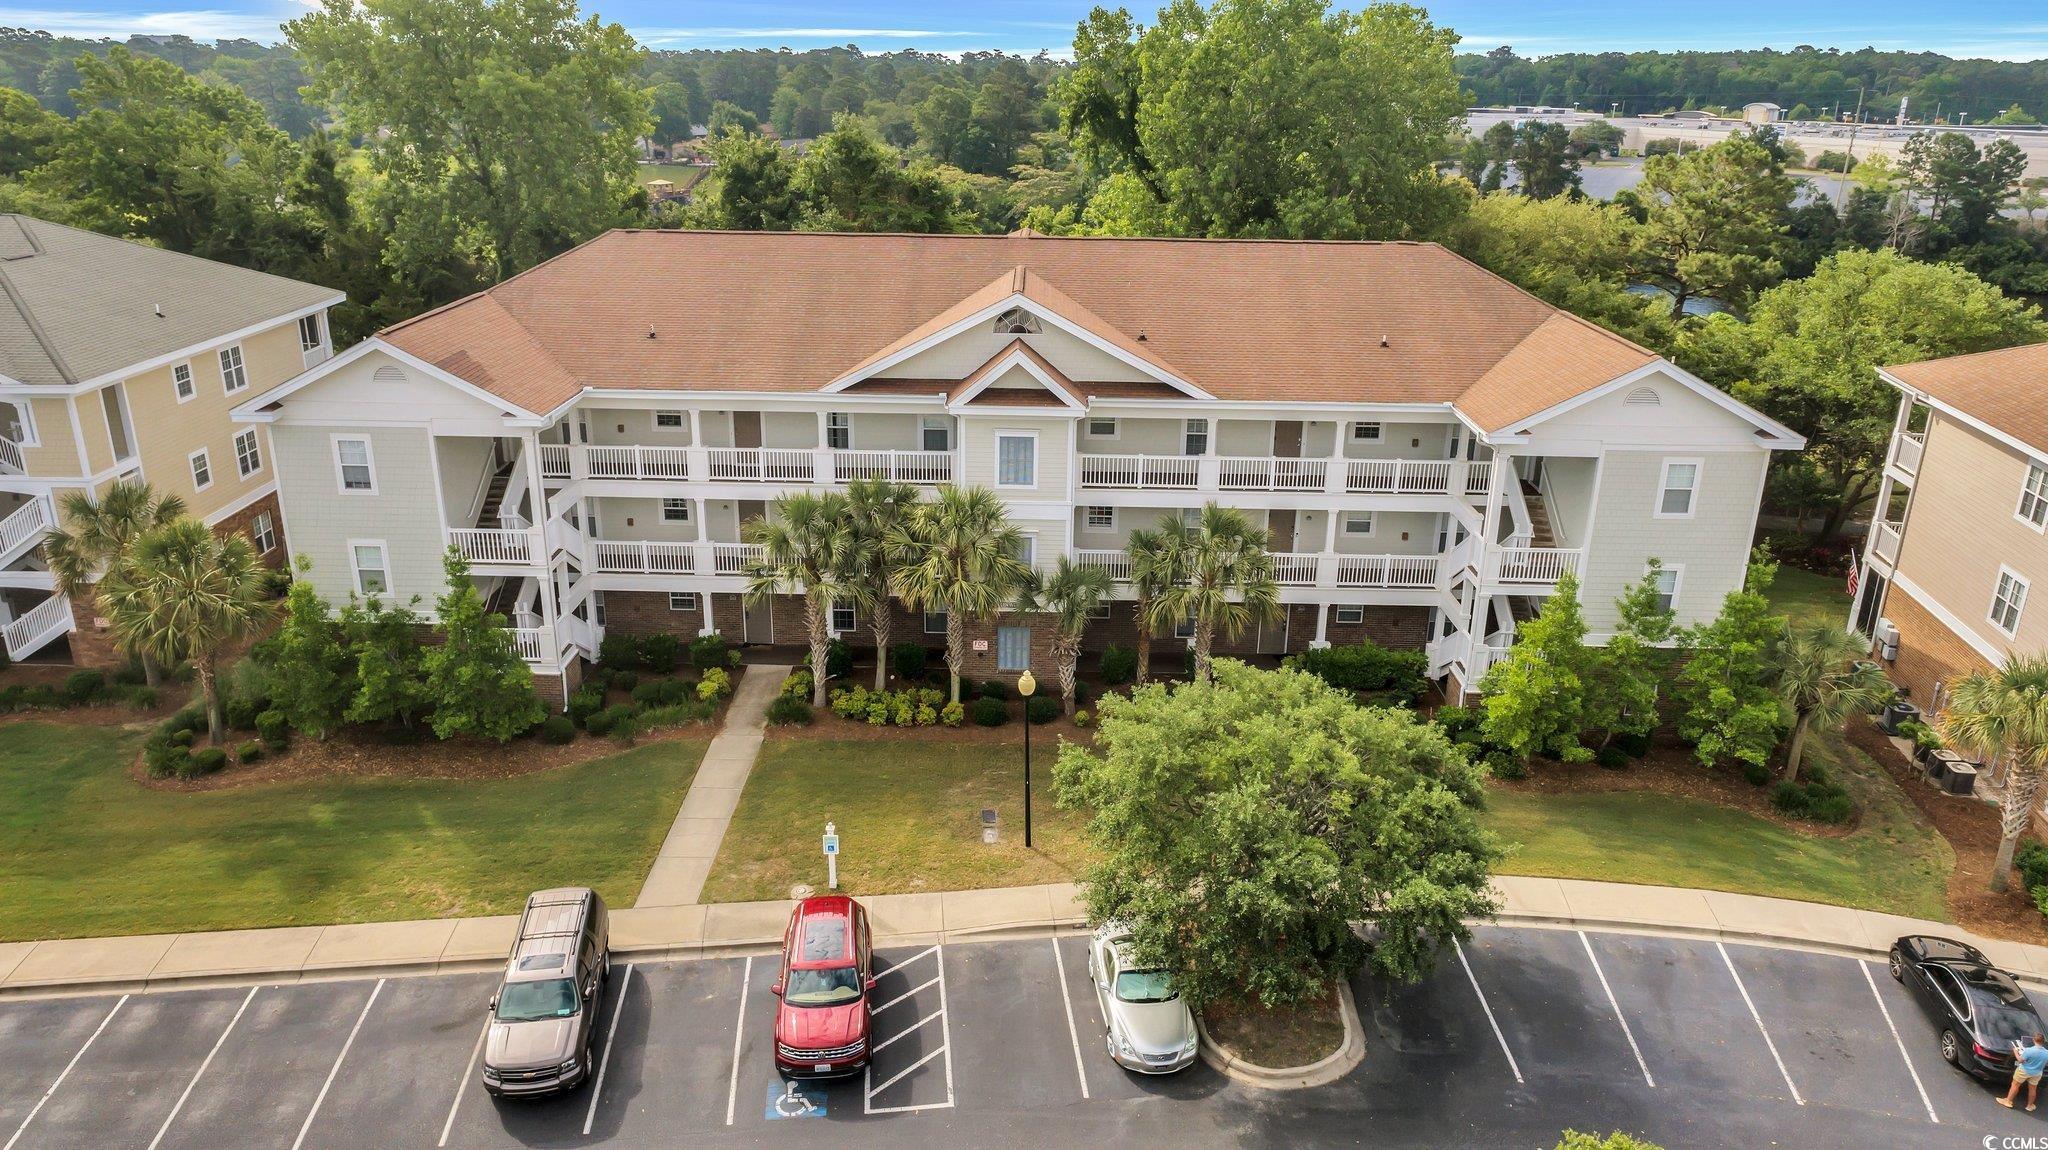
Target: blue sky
{"points": [[2002, 29]]}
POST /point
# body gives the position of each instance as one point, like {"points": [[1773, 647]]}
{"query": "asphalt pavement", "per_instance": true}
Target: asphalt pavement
{"points": [[1519, 1034]]}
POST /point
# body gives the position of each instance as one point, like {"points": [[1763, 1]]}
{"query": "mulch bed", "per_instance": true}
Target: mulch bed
{"points": [[1972, 829], [1669, 769], [1277, 1039]]}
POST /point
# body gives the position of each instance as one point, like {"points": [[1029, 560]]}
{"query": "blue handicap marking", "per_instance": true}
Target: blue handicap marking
{"points": [[792, 1100]]}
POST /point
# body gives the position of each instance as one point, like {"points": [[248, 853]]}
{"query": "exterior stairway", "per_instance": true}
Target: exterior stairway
{"points": [[494, 497], [1540, 533]]}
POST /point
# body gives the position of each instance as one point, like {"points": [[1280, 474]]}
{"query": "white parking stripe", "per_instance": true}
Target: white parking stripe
{"points": [[925, 985], [899, 1075], [463, 1085], [605, 1060], [945, 1047], [1616, 1004], [739, 1030], [1903, 1057], [65, 1073], [336, 1069], [1067, 1001], [945, 1027], [1483, 1005], [912, 1029], [208, 1061], [1747, 1001]]}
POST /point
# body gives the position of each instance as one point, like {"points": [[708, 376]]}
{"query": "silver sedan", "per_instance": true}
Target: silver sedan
{"points": [[1150, 1029]]}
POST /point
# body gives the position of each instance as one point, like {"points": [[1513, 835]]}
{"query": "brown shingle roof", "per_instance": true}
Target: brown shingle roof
{"points": [[789, 312], [1548, 367], [1066, 387], [2005, 389]]}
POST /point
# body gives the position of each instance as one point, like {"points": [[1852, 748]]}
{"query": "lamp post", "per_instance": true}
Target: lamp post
{"points": [[1026, 686]]}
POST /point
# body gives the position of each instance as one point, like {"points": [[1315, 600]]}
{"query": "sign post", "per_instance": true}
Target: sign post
{"points": [[831, 856]]}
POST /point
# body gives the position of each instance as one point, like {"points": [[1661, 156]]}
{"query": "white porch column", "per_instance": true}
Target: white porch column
{"points": [[696, 429], [1322, 638], [709, 625]]}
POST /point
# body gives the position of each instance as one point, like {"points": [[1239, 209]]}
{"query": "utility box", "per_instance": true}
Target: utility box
{"points": [[988, 826], [1960, 780], [1899, 711], [1940, 763]]}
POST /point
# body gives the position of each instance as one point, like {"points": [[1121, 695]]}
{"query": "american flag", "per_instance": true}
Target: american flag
{"points": [[1853, 574]]}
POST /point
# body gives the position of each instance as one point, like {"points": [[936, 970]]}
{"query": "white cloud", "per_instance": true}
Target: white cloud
{"points": [[200, 24]]}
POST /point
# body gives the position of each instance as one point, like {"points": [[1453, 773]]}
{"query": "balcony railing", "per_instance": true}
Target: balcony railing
{"points": [[1911, 446], [532, 643], [622, 557], [742, 464], [1117, 563], [11, 462], [1172, 472], [1886, 541], [35, 629], [25, 525], [497, 544], [1531, 565], [1456, 477], [1309, 569], [637, 462]]}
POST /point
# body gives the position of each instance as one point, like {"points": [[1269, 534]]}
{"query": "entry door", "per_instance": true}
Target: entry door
{"points": [[1280, 529], [759, 620], [1287, 439], [746, 429], [1273, 636]]}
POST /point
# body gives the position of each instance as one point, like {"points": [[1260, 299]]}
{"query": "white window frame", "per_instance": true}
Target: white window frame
{"points": [[1692, 504], [187, 391], [356, 568], [1356, 611], [1188, 432], [2016, 604], [340, 469], [1032, 436], [1101, 610], [1115, 427], [1372, 524], [1030, 541], [839, 426], [2033, 505], [197, 462], [1677, 573], [668, 505], [319, 323], [1185, 627], [852, 618], [683, 601], [261, 526], [1088, 522], [1000, 632], [1360, 428], [927, 622], [255, 452], [240, 370], [926, 424], [681, 420], [24, 407]]}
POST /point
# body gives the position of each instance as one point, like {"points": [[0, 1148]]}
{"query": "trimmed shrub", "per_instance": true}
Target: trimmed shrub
{"points": [[910, 707], [1119, 665], [1815, 800], [838, 659], [1502, 765], [162, 757], [1456, 720], [142, 698], [586, 701], [249, 752], [1756, 774], [951, 714], [619, 652], [995, 689], [182, 738], [192, 718], [1612, 758], [789, 711], [1082, 693], [205, 761], [1367, 667], [84, 686], [715, 685], [556, 730], [273, 729], [661, 652], [623, 681], [608, 721], [1634, 746], [797, 685], [708, 651], [1082, 718], [240, 712], [663, 692], [907, 660], [2031, 860], [987, 712], [1042, 709]]}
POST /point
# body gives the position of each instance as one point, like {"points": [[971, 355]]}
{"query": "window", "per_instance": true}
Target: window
{"points": [[675, 511], [1100, 610], [1675, 492], [934, 622], [373, 570], [248, 460], [1358, 523], [309, 332], [2034, 496], [1100, 518], [1027, 550], [668, 419], [353, 465], [838, 430], [1667, 588], [1195, 437], [263, 533], [1016, 459], [1013, 648], [1102, 429], [2008, 601], [1185, 629], [233, 376], [1351, 613], [843, 619], [1016, 321], [202, 470], [935, 433], [181, 382], [1365, 432], [682, 600]]}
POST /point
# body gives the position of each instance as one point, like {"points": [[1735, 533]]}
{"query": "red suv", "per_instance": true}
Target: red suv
{"points": [[821, 1024]]}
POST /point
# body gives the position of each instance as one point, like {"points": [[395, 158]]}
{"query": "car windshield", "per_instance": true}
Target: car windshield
{"points": [[533, 1001], [2004, 1025], [1144, 986], [834, 986]]}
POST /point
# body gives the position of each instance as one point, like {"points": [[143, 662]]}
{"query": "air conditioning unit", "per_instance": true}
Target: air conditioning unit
{"points": [[1887, 640]]}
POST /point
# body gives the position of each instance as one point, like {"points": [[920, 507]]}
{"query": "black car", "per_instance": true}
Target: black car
{"points": [[1980, 1009]]}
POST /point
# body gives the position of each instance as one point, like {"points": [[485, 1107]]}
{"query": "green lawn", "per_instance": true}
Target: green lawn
{"points": [[84, 850], [684, 176], [1804, 596], [908, 816]]}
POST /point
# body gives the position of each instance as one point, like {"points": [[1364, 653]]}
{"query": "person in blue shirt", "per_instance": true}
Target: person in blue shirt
{"points": [[2030, 1056]]}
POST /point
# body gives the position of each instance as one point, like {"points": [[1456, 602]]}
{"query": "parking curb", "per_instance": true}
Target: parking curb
{"points": [[1321, 1072]]}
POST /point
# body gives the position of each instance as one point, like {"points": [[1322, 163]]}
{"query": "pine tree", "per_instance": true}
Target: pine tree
{"points": [[475, 677]]}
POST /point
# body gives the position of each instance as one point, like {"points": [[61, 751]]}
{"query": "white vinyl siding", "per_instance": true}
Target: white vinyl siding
{"points": [[403, 510], [1625, 533]]}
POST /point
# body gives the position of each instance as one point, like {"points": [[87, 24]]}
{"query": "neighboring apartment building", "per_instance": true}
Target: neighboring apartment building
{"points": [[1429, 447], [1960, 538], [122, 361]]}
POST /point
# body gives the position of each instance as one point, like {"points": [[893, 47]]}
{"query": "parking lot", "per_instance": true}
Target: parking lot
{"points": [[1519, 1033]]}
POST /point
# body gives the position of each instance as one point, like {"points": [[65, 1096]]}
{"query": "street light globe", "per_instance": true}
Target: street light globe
{"points": [[1026, 685]]}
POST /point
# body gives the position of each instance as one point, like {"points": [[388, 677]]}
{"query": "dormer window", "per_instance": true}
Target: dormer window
{"points": [[1016, 321]]}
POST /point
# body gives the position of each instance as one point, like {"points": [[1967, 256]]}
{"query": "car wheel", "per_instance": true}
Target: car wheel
{"points": [[1898, 965], [1951, 1048]]}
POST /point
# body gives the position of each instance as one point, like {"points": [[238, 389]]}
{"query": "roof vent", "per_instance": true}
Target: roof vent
{"points": [[1384, 343], [1643, 397], [1141, 335], [388, 374], [159, 311], [1017, 321]]}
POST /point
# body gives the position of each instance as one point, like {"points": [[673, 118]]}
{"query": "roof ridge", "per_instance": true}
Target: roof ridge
{"points": [[971, 236], [35, 326], [1555, 312], [2039, 344]]}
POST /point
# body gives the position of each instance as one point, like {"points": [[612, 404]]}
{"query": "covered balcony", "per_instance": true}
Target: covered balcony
{"points": [[768, 447], [1329, 456]]}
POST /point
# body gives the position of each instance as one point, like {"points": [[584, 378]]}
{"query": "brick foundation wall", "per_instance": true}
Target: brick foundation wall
{"points": [[242, 523], [1929, 653], [648, 613], [1400, 628]]}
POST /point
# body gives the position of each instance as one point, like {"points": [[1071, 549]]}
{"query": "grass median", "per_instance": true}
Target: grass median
{"points": [[87, 850]]}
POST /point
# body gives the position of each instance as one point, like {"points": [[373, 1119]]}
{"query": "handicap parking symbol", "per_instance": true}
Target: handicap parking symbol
{"points": [[791, 1100]]}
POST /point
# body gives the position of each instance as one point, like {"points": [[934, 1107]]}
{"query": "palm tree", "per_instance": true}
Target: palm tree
{"points": [[802, 541], [1226, 581], [1821, 684], [1070, 595], [96, 536], [877, 509], [1155, 566], [2004, 714], [959, 555], [186, 593]]}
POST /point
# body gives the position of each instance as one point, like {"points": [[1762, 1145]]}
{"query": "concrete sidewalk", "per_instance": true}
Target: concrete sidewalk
{"points": [[677, 877], [292, 954]]}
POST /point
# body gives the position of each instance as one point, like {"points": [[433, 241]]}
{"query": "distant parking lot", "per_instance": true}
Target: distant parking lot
{"points": [[1519, 1034]]}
